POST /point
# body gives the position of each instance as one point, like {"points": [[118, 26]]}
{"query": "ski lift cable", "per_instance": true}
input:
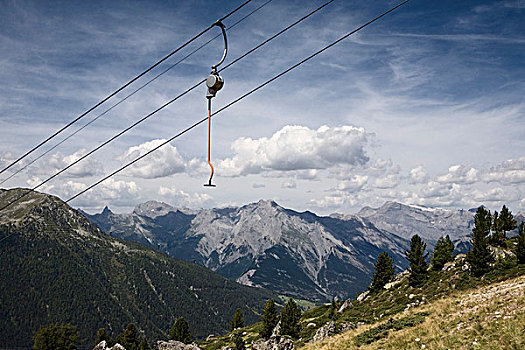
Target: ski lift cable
{"points": [[160, 108], [237, 100], [131, 94], [122, 87]]}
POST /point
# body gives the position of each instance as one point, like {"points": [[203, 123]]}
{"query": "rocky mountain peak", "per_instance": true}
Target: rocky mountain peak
{"points": [[152, 209]]}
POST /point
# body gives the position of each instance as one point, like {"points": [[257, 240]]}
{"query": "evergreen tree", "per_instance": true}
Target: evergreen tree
{"points": [[480, 256], [237, 321], [520, 249], [508, 223], [383, 272], [442, 253], [144, 344], [497, 236], [417, 258], [56, 337], [290, 316], [239, 342], [102, 335], [332, 311], [181, 331], [269, 319], [129, 338]]}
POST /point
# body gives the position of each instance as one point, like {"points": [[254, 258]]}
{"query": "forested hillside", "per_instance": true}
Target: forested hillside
{"points": [[59, 268]]}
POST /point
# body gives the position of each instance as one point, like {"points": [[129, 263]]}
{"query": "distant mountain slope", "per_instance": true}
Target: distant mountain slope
{"points": [[263, 244], [429, 223], [58, 267]]}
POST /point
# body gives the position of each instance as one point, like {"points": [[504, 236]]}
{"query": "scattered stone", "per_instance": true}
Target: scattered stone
{"points": [[363, 296], [277, 330], [448, 266], [175, 345], [103, 346], [360, 324], [411, 296], [311, 325], [465, 267], [345, 306], [344, 327], [325, 331], [274, 343]]}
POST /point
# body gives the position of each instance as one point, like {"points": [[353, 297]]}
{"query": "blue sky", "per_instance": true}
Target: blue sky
{"points": [[423, 107]]}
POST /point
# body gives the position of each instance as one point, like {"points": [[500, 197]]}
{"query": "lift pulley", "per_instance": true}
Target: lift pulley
{"points": [[214, 82]]}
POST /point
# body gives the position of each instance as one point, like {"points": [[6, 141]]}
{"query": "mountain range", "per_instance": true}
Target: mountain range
{"points": [[298, 254], [57, 267]]}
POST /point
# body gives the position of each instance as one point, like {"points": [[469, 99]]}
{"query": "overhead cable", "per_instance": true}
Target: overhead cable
{"points": [[123, 87], [163, 106], [237, 100], [131, 94]]}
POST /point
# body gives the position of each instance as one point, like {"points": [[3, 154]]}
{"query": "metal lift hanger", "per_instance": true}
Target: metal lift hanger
{"points": [[214, 82]]}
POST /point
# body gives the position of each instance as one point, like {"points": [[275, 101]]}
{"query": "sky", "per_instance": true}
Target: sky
{"points": [[425, 106]]}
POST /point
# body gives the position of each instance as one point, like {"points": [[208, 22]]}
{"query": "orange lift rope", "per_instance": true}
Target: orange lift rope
{"points": [[214, 82]]}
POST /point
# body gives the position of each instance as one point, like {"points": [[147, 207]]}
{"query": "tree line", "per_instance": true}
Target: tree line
{"points": [[489, 230]]}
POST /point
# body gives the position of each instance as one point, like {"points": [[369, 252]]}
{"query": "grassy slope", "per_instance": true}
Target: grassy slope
{"points": [[489, 317], [449, 298]]}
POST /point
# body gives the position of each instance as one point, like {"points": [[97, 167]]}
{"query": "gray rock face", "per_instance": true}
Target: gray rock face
{"points": [[346, 305], [325, 331], [175, 345], [263, 244], [429, 223], [274, 343]]}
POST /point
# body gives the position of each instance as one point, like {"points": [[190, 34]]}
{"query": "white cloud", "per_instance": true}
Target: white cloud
{"points": [[459, 174], [508, 172], [355, 184], [181, 198], [163, 162], [418, 175], [85, 168], [297, 148], [389, 181], [289, 184], [256, 185], [334, 201]]}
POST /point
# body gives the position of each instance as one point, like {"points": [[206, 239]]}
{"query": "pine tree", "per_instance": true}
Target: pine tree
{"points": [[101, 335], [507, 221], [144, 344], [237, 321], [383, 272], [56, 337], [129, 338], [181, 331], [520, 249], [239, 342], [497, 236], [480, 256], [417, 258], [290, 316], [269, 319], [442, 253], [332, 311]]}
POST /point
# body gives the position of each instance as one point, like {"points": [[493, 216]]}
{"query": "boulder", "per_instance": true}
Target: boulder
{"points": [[104, 346], [175, 345], [345, 306], [274, 343], [277, 330], [325, 331], [363, 296]]}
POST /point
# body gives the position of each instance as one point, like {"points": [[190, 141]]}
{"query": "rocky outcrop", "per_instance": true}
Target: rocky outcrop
{"points": [[325, 331], [103, 346], [175, 345], [274, 343], [345, 306]]}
